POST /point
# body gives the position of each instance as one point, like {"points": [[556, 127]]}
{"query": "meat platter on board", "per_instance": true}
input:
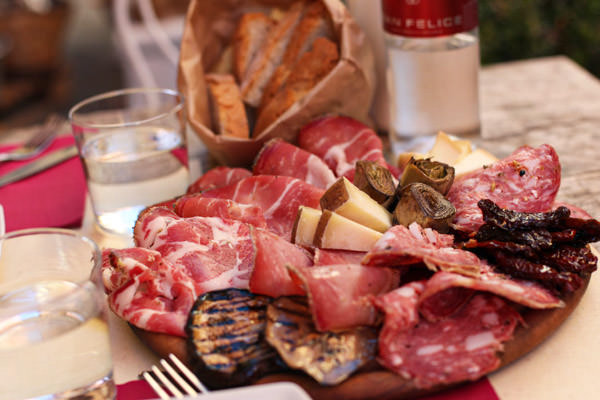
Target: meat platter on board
{"points": [[326, 266]]}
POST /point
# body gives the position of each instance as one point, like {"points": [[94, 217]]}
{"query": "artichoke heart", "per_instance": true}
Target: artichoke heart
{"points": [[375, 180], [438, 175], [422, 204]]}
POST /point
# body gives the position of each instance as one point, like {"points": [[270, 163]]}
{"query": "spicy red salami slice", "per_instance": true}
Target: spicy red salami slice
{"points": [[341, 142], [278, 196], [445, 292], [278, 157], [526, 181], [459, 348], [218, 177]]}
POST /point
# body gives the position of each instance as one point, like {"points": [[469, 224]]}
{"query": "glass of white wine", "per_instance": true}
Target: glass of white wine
{"points": [[54, 340]]}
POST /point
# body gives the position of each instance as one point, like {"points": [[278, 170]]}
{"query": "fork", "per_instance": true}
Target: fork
{"points": [[37, 143], [189, 383]]}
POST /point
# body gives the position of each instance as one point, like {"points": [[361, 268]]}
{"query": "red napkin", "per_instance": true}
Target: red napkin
{"points": [[52, 198], [480, 390]]}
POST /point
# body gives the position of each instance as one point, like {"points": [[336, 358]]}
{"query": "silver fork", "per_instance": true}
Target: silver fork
{"points": [[37, 143], [176, 382]]}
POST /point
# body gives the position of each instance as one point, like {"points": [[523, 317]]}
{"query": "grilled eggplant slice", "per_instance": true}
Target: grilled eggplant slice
{"points": [[326, 356], [225, 338]]}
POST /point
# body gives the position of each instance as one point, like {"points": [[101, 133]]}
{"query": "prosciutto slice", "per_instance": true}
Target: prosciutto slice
{"points": [[340, 142], [332, 257], [459, 348], [404, 246], [198, 206], [445, 292], [526, 181], [278, 157], [278, 196], [218, 177], [270, 276], [340, 295], [216, 253], [147, 290]]}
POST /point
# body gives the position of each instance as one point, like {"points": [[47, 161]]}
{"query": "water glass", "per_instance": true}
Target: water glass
{"points": [[133, 147], [54, 338]]}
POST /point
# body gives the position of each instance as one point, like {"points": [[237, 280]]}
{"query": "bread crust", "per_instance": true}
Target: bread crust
{"points": [[310, 69], [269, 56], [251, 32], [227, 108]]}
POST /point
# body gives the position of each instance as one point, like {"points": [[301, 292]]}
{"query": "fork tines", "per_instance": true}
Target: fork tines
{"points": [[175, 377]]}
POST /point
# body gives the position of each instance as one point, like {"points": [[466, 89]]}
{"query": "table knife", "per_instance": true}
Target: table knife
{"points": [[39, 165]]}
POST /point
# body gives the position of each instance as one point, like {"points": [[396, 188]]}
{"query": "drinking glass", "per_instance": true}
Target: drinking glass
{"points": [[54, 340], [133, 148]]}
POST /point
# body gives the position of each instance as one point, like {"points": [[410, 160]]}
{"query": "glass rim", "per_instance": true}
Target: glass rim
{"points": [[178, 106], [97, 253]]}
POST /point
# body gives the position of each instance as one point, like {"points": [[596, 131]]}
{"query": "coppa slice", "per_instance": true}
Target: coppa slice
{"points": [[340, 142], [526, 181], [218, 177], [147, 291], [198, 206], [404, 246], [278, 157], [278, 196], [461, 347], [215, 253]]}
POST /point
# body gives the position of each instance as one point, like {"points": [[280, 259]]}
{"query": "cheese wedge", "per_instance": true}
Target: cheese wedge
{"points": [[446, 150], [475, 160], [305, 226], [337, 232], [404, 158], [349, 201]]}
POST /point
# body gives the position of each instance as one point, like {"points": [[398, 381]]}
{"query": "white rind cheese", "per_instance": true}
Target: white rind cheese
{"points": [[337, 232]]}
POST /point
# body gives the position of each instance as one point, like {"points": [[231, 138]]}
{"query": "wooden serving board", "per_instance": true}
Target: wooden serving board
{"points": [[383, 384]]}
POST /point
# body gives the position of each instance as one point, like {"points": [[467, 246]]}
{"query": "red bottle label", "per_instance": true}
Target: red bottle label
{"points": [[428, 18]]}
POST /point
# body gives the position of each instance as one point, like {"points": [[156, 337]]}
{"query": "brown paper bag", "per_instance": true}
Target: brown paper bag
{"points": [[347, 90]]}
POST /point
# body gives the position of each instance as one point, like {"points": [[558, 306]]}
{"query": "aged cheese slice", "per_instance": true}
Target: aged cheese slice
{"points": [[349, 201], [404, 158], [475, 160], [446, 150], [305, 226], [337, 232]]}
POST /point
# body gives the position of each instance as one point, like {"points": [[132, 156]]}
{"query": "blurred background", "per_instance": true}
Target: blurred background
{"points": [[54, 53]]}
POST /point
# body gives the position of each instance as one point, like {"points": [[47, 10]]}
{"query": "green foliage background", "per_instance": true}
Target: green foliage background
{"points": [[519, 29]]}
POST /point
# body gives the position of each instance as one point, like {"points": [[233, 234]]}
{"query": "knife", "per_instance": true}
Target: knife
{"points": [[39, 165]]}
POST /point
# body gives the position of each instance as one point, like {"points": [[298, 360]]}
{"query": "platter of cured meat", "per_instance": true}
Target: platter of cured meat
{"points": [[327, 266]]}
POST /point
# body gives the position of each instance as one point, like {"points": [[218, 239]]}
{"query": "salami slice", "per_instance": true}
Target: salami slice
{"points": [[526, 181], [445, 292], [278, 196], [459, 348], [218, 177], [404, 246], [146, 290], [196, 205], [278, 157], [340, 142], [400, 306], [347, 289]]}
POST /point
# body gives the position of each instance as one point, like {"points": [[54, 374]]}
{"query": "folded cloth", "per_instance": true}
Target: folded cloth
{"points": [[52, 198]]}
